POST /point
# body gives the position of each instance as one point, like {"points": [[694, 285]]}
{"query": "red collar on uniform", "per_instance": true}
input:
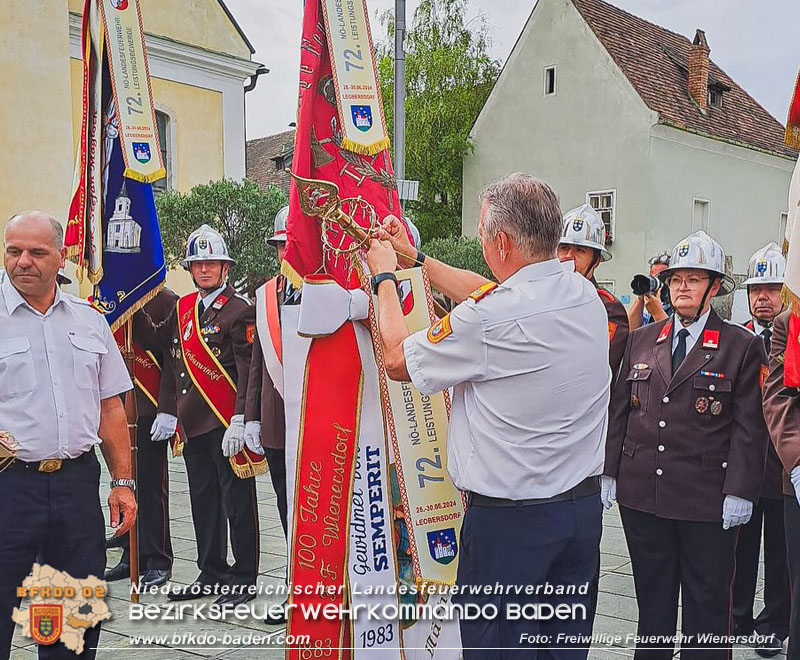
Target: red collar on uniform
{"points": [[711, 339], [664, 332]]}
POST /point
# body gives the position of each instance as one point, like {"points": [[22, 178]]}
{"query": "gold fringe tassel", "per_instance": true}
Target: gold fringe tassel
{"points": [[785, 247], [176, 445], [145, 178], [792, 137], [366, 149], [250, 469], [789, 298], [292, 275], [135, 308]]}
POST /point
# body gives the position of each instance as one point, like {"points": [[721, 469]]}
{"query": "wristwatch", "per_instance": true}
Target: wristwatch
{"points": [[125, 483], [380, 277]]}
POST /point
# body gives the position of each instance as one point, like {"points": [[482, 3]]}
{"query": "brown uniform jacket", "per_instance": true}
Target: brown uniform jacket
{"points": [[229, 332], [159, 309], [618, 330], [782, 405], [263, 403], [772, 487], [671, 455]]}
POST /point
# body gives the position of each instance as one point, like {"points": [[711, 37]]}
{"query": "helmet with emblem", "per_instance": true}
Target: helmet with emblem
{"points": [[279, 227], [584, 227], [205, 244], [700, 251], [767, 266]]}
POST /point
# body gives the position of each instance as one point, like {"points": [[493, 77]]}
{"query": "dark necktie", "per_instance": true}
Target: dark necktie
{"points": [[767, 335], [680, 350]]}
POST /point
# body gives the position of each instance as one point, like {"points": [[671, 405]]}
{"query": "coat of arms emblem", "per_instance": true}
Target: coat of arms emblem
{"points": [[46, 623]]}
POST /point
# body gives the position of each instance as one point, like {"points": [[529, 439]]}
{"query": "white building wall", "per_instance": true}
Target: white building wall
{"points": [[747, 191], [593, 134]]}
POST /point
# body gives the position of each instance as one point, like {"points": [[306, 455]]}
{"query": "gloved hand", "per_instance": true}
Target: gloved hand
{"points": [[163, 427], [795, 477], [735, 511], [252, 437], [608, 491], [233, 440]]}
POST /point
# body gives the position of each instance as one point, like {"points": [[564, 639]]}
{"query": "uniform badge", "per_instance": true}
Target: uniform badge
{"points": [[482, 291], [250, 332], [46, 623], [215, 350], [664, 332], [762, 377], [716, 408], [577, 224], [188, 332], [712, 374], [710, 338], [641, 365], [683, 250], [635, 403], [440, 330], [219, 303], [612, 330], [701, 405], [211, 330]]}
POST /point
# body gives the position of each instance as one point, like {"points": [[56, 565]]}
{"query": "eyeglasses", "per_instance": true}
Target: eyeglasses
{"points": [[693, 282]]}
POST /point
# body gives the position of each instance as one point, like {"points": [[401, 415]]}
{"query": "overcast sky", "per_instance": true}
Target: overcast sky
{"points": [[757, 43]]}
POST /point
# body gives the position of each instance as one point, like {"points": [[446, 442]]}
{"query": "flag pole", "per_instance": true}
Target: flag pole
{"points": [[132, 414]]}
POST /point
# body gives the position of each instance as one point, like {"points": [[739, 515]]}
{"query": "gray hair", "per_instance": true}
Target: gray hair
{"points": [[55, 225], [527, 209]]}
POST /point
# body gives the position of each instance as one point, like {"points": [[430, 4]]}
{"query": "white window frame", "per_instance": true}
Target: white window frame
{"points": [[613, 193], [783, 219], [171, 146], [554, 69], [608, 285], [691, 218]]}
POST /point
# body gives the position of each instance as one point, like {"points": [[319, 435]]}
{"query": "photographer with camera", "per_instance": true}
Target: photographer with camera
{"points": [[649, 307]]}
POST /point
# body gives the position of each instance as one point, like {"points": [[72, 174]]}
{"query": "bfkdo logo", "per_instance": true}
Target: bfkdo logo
{"points": [[46, 623]]}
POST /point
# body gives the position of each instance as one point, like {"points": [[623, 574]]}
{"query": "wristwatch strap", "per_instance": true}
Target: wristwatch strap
{"points": [[127, 483], [380, 277]]}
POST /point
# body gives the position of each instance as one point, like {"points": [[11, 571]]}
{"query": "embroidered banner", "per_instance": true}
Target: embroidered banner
{"points": [[366, 183], [433, 506], [355, 76], [130, 83], [269, 331], [329, 428], [213, 382]]}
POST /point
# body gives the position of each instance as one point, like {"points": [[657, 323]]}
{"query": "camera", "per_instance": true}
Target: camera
{"points": [[643, 284]]}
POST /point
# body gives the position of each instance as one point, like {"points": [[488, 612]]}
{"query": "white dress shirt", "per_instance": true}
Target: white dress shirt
{"points": [[211, 297], [55, 368], [695, 330], [529, 366]]}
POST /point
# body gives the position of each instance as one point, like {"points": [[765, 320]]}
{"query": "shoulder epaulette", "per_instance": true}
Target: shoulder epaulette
{"points": [[482, 291], [741, 327]]}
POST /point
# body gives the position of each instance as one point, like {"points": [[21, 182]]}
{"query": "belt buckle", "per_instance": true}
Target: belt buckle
{"points": [[50, 465]]}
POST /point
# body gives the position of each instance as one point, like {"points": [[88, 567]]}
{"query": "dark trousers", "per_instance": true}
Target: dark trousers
{"points": [[553, 543], [695, 559], [152, 493], [56, 519], [791, 517], [774, 618], [221, 500], [276, 459]]}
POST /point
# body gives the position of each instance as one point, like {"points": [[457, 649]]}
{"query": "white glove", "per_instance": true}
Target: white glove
{"points": [[735, 511], [233, 440], [163, 427], [252, 437], [795, 477], [608, 491]]}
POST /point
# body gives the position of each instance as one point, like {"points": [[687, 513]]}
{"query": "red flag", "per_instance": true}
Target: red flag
{"points": [[793, 121], [318, 154]]}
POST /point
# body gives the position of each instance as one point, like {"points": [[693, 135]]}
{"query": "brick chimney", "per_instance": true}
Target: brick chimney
{"points": [[698, 69]]}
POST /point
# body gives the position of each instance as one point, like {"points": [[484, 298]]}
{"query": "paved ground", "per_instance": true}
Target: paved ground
{"points": [[616, 608]]}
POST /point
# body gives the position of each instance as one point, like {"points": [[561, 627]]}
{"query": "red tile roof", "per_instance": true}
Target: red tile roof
{"points": [[655, 60], [261, 155]]}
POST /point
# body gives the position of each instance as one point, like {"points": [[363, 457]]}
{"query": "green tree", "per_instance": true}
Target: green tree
{"points": [[449, 75], [459, 252], [240, 211]]}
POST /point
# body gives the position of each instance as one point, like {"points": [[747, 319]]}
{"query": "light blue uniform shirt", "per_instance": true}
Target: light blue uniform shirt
{"points": [[55, 368], [529, 366]]}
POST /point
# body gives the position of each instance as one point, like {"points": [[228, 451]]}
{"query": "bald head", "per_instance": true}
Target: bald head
{"points": [[33, 252], [37, 219]]}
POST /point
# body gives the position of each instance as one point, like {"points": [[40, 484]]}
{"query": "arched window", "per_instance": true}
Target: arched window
{"points": [[164, 127]]}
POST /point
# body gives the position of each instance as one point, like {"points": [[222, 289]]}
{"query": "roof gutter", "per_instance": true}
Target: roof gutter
{"points": [[260, 71]]}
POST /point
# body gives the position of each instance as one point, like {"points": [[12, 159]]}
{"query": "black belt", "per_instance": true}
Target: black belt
{"points": [[49, 465], [588, 486]]}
